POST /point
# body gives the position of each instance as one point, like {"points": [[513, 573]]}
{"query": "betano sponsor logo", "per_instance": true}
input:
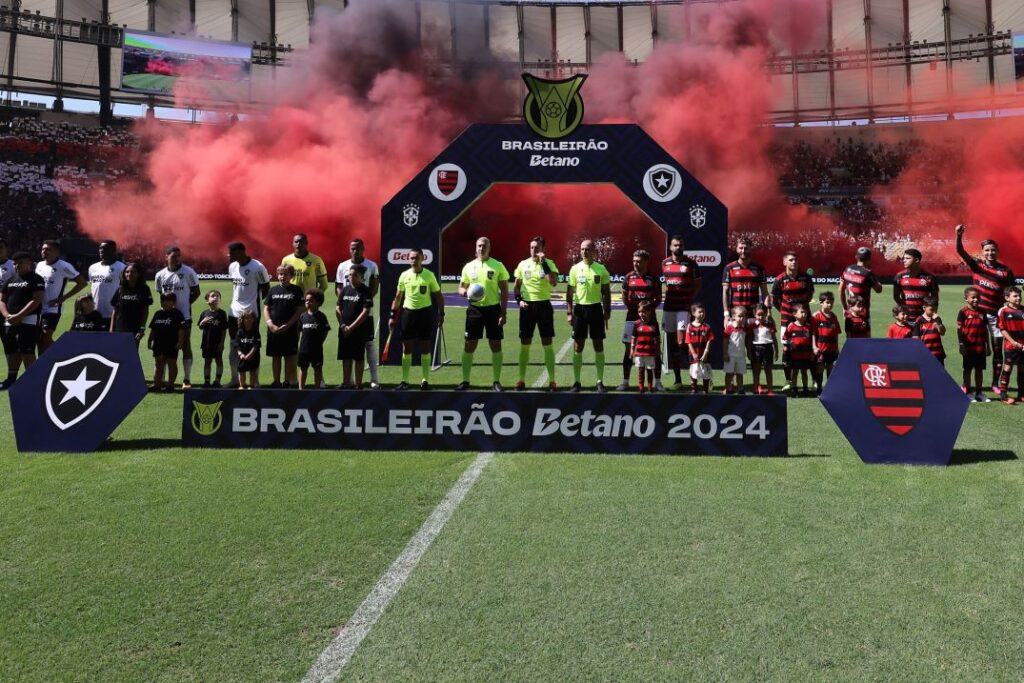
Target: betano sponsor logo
{"points": [[705, 258], [401, 257]]}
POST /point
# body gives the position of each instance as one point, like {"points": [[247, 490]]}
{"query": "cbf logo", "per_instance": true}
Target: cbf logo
{"points": [[411, 214], [698, 216], [76, 387], [894, 394], [553, 109], [206, 417]]}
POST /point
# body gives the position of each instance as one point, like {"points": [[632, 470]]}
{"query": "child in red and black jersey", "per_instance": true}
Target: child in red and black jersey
{"points": [[931, 329], [800, 338], [698, 338], [1011, 324], [857, 325], [645, 346], [825, 326], [972, 333], [764, 349], [900, 328]]}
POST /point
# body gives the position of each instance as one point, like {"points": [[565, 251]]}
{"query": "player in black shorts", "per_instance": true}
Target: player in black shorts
{"points": [[20, 302], [282, 311]]}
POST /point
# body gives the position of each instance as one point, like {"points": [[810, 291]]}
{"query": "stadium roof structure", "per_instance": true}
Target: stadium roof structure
{"points": [[870, 58]]}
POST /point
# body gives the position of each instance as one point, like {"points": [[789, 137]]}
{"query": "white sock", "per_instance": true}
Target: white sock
{"points": [[187, 364], [371, 359]]}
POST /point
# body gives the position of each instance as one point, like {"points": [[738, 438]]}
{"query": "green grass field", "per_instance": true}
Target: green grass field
{"points": [[153, 82], [149, 562]]}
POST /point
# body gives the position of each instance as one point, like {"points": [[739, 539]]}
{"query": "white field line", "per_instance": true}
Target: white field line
{"points": [[559, 357], [339, 651]]}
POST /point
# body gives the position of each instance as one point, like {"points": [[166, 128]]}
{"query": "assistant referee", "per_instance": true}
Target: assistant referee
{"points": [[412, 311], [588, 299]]}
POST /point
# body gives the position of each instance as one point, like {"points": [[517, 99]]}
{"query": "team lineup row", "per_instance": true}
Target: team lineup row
{"points": [[296, 328]]}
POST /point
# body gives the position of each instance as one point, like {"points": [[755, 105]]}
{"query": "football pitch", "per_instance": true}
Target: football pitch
{"points": [[150, 562], [150, 82]]}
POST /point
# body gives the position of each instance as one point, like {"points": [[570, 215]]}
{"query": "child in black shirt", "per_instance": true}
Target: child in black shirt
{"points": [[214, 324], [87, 318], [166, 337], [249, 343], [313, 327], [353, 314]]}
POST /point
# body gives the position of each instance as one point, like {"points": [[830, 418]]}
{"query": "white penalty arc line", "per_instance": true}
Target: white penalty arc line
{"points": [[543, 379], [339, 651]]}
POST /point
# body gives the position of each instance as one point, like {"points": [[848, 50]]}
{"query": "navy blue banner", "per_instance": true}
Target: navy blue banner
{"points": [[894, 402], [484, 154], [77, 393], [487, 422]]}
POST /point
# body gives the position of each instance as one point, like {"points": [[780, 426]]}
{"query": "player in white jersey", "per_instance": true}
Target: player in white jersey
{"points": [[55, 272], [184, 283], [250, 283], [105, 278], [371, 278], [7, 272]]}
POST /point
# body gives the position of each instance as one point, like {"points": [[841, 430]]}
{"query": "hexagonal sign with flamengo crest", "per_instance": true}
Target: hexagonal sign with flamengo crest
{"points": [[894, 402], [77, 393]]}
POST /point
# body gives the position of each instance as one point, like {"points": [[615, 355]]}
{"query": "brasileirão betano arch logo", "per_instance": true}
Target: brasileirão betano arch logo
{"points": [[553, 108]]}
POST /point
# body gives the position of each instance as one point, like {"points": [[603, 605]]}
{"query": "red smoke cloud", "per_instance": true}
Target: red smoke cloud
{"points": [[367, 110], [969, 172], [705, 103], [346, 132]]}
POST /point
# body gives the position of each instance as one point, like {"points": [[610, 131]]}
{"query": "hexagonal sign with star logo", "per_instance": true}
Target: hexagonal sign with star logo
{"points": [[77, 393], [894, 402]]}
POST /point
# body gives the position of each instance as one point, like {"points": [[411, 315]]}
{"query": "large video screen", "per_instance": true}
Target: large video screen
{"points": [[156, 64], [1018, 59]]}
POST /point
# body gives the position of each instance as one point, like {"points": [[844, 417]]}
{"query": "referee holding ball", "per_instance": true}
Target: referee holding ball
{"points": [[486, 314]]}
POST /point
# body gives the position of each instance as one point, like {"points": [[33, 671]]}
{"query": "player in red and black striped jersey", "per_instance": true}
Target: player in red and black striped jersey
{"points": [[825, 326], [682, 285], [1011, 324], [930, 329], [800, 338], [991, 278], [791, 287], [859, 280], [645, 345], [913, 285], [743, 281], [972, 333], [857, 325], [638, 287]]}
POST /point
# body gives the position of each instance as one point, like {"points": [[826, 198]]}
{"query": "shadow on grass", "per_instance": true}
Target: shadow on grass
{"points": [[965, 457], [806, 455], [138, 444]]}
